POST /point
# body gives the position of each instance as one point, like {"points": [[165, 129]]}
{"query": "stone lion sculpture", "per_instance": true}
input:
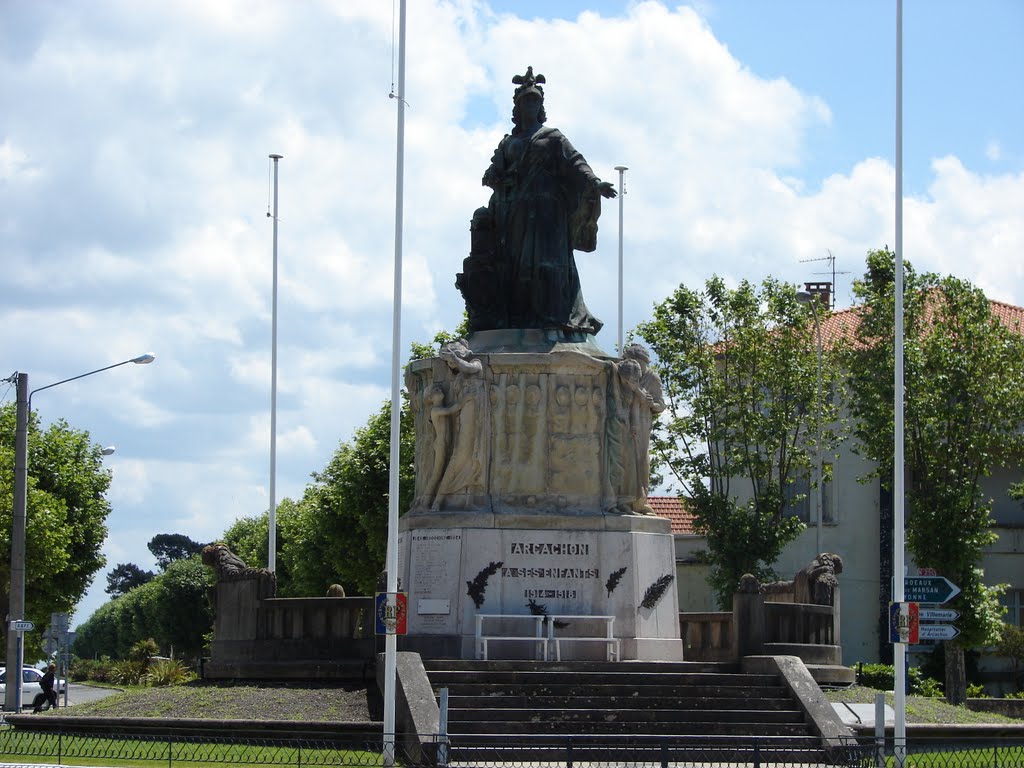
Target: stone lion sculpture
{"points": [[229, 567], [815, 583]]}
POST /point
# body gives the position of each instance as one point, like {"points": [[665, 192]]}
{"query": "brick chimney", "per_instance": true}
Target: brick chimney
{"points": [[822, 290]]}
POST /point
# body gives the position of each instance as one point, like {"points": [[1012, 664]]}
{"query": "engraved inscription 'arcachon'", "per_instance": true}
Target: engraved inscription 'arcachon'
{"points": [[549, 548]]}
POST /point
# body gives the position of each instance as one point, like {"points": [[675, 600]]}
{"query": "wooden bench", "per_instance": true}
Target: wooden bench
{"points": [[611, 642], [537, 637]]}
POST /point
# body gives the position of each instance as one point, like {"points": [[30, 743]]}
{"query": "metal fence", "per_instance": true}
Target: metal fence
{"points": [[367, 751]]}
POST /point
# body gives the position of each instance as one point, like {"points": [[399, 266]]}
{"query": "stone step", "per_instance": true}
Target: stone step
{"points": [[672, 700], [573, 717], [507, 665], [809, 653], [515, 728], [833, 675], [640, 680], [483, 749], [647, 692], [600, 701]]}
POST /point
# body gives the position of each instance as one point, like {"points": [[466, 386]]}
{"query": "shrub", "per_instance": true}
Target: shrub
{"points": [[878, 676], [977, 691], [98, 670], [168, 672], [127, 672], [143, 649], [926, 686], [882, 677]]}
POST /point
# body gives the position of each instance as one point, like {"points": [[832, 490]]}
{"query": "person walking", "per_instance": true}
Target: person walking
{"points": [[48, 684]]}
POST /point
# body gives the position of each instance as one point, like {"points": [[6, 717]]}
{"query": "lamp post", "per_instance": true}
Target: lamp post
{"points": [[808, 298], [16, 610]]}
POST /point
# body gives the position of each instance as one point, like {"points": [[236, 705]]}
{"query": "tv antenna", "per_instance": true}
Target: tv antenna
{"points": [[831, 259]]}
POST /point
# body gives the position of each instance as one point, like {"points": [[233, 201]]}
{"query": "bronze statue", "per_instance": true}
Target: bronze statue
{"points": [[546, 201]]}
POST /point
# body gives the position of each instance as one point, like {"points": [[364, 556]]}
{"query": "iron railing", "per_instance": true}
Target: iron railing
{"points": [[367, 751]]}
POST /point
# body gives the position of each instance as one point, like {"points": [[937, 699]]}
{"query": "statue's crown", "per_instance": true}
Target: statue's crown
{"points": [[528, 83]]}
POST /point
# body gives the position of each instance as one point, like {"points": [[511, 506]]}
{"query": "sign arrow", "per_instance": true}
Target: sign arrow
{"points": [[938, 632], [939, 614], [929, 589]]}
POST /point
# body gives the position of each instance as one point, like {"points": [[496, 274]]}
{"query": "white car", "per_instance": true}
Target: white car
{"points": [[30, 677]]}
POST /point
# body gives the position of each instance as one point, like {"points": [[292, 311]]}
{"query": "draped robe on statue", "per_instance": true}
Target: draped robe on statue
{"points": [[545, 204]]}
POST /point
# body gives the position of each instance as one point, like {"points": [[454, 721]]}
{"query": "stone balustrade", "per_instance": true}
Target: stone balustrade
{"points": [[756, 621]]}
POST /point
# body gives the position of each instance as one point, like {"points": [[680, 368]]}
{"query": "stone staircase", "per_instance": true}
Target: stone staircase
{"points": [[682, 711]]}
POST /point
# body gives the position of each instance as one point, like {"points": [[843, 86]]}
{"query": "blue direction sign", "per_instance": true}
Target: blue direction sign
{"points": [[929, 589], [939, 614], [938, 632]]}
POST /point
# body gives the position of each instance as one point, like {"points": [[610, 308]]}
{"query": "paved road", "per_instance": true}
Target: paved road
{"points": [[80, 694], [77, 694]]}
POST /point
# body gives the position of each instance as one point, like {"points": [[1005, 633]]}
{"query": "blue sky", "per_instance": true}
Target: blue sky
{"points": [[134, 192]]}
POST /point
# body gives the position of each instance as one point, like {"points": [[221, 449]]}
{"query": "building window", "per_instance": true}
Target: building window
{"points": [[800, 502], [1013, 601]]}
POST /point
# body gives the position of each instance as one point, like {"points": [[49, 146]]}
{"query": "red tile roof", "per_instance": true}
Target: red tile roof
{"points": [[842, 324], [674, 508]]}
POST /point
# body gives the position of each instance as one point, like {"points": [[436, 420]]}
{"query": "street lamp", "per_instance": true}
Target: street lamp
{"points": [[809, 298], [16, 610]]}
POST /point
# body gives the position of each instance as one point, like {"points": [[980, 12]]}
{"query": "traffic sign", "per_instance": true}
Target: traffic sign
{"points": [[929, 589], [938, 632], [903, 623], [391, 619], [939, 614], [22, 626]]}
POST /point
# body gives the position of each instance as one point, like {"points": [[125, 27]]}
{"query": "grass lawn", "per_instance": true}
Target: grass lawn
{"points": [[25, 747], [920, 709]]}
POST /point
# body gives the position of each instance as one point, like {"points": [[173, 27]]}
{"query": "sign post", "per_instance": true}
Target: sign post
{"points": [[19, 627]]}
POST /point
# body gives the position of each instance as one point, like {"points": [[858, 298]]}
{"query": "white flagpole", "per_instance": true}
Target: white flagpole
{"points": [[272, 514], [391, 640], [622, 193], [898, 564]]}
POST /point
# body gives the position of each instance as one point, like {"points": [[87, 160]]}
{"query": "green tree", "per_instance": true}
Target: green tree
{"points": [[168, 547], [348, 500], [739, 372], [172, 608], [301, 566], [66, 512], [963, 417], [1011, 647], [182, 612], [126, 576]]}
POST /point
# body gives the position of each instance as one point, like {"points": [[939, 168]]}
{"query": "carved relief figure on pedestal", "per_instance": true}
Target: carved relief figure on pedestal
{"points": [[648, 401], [634, 400], [521, 272], [463, 472], [433, 402]]}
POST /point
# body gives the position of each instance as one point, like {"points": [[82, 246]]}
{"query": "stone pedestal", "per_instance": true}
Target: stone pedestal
{"points": [[454, 566], [531, 464]]}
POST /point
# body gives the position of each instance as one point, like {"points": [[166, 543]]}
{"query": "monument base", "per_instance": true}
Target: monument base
{"points": [[619, 569]]}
